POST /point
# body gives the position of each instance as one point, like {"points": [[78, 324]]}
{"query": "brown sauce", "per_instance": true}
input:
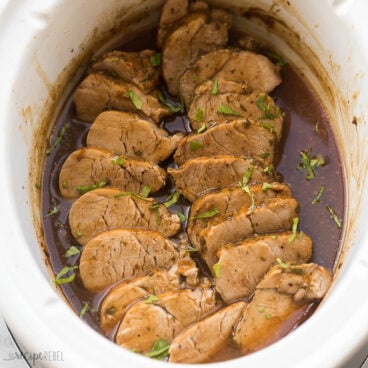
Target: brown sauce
{"points": [[306, 127]]}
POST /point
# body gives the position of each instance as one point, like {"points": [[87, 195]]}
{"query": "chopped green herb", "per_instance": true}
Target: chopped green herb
{"points": [[38, 186], [247, 176], [294, 229], [265, 154], [172, 199], [65, 185], [263, 311], [276, 59], [78, 234], [194, 145], [156, 207], [156, 59], [199, 114], [301, 234], [208, 214], [227, 110], [82, 189], [160, 350], [281, 263], [134, 98], [84, 310], [268, 126], [215, 88], [53, 211], [319, 194], [58, 139], [266, 187], [119, 161], [268, 169], [274, 237], [217, 269], [173, 108], [72, 251], [333, 215], [247, 190], [124, 194], [181, 216], [191, 249], [145, 191], [268, 114], [310, 164], [296, 269], [202, 128], [152, 298], [60, 279], [115, 59]]}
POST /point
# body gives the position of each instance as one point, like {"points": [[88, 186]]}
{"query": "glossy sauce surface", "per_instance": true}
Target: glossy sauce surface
{"points": [[306, 128]]}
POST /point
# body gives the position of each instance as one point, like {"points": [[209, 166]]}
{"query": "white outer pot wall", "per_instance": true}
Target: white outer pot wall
{"points": [[38, 42]]}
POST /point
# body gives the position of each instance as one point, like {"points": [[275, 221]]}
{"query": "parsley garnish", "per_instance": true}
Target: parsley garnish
{"points": [[194, 145], [82, 189], [217, 269], [119, 161], [294, 229], [145, 191], [202, 128], [134, 98], [84, 310], [72, 251], [276, 59], [319, 194], [263, 310], [156, 59], [152, 298], [172, 107], [172, 199], [58, 139], [199, 114], [310, 164], [208, 214], [60, 279], [333, 215], [215, 88], [281, 263], [268, 126], [160, 350], [268, 114], [227, 110], [247, 176], [181, 216], [266, 187], [125, 194], [53, 211]]}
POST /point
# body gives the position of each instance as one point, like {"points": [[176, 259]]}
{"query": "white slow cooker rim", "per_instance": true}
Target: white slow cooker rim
{"points": [[43, 320]]}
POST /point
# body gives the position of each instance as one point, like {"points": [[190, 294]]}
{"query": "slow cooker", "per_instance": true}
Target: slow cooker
{"points": [[44, 43]]}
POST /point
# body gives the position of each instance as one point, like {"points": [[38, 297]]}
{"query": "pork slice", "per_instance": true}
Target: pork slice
{"points": [[126, 133], [239, 138], [183, 274], [225, 107], [119, 254], [279, 302], [253, 70], [243, 265], [202, 174], [92, 167], [132, 67], [109, 208], [164, 318], [199, 33], [275, 215], [202, 340], [99, 92]]}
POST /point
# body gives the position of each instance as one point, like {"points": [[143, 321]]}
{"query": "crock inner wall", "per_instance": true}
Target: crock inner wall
{"points": [[309, 34]]}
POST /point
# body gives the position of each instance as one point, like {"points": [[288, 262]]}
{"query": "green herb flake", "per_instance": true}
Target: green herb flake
{"points": [[227, 110], [173, 108], [268, 126], [156, 59], [266, 186], [294, 229], [268, 169], [310, 164], [276, 59], [172, 199], [152, 298], [333, 215], [264, 312], [78, 234], [84, 310], [319, 194], [274, 237], [37, 186], [82, 189], [215, 88], [281, 264], [145, 191], [199, 115], [194, 145], [247, 190], [54, 210], [265, 154], [266, 108], [159, 351], [72, 251], [247, 176], [63, 278], [119, 161], [115, 59], [134, 98], [217, 269], [208, 214], [202, 128], [58, 139], [190, 249], [125, 194], [182, 217]]}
